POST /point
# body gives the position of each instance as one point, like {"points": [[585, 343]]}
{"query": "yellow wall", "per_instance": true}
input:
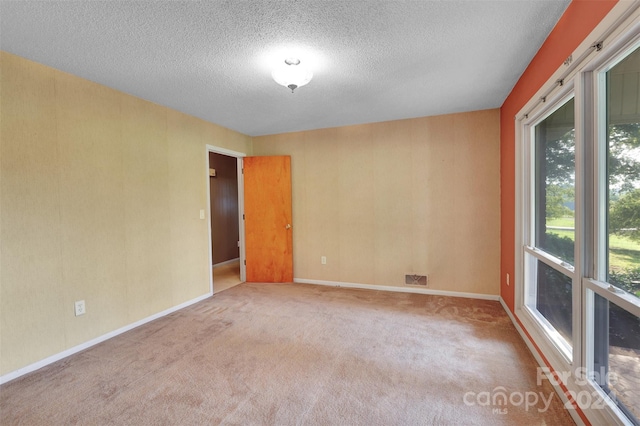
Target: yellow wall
{"points": [[382, 200], [100, 195]]}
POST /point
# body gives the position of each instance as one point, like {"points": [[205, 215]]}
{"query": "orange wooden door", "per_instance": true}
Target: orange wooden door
{"points": [[267, 210]]}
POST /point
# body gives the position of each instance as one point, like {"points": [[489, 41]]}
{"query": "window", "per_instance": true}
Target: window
{"points": [[578, 240], [622, 174], [616, 329], [616, 355], [550, 249]]}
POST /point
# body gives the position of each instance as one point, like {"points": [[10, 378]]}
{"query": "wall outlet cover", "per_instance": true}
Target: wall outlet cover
{"points": [[80, 308]]}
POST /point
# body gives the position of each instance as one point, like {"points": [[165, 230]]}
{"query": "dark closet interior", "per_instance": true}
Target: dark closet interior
{"points": [[223, 180]]}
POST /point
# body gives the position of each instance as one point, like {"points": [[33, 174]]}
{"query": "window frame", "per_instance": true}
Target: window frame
{"points": [[617, 35], [531, 253]]}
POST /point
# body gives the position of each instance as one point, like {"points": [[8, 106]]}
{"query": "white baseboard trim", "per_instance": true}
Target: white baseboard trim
{"points": [[226, 262], [53, 358], [398, 289], [573, 413]]}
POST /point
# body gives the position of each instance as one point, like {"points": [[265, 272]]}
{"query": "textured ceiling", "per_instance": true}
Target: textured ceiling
{"points": [[372, 60]]}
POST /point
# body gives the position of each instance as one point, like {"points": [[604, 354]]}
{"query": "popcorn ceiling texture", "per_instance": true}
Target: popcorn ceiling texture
{"points": [[373, 60]]}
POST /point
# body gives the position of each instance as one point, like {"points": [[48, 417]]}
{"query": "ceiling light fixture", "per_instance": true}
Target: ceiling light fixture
{"points": [[292, 74]]}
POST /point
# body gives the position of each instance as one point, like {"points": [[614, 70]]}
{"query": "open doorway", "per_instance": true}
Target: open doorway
{"points": [[226, 236]]}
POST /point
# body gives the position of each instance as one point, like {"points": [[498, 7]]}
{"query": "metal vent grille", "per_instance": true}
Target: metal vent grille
{"points": [[415, 280]]}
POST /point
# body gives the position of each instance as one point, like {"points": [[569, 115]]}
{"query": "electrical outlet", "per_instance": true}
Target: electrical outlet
{"points": [[508, 283], [323, 260], [80, 308]]}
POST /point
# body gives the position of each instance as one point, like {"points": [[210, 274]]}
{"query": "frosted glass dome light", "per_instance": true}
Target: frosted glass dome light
{"points": [[291, 74]]}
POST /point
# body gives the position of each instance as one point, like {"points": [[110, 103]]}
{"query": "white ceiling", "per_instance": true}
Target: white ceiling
{"points": [[372, 60]]}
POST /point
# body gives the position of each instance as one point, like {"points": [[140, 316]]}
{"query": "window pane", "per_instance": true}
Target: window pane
{"points": [[553, 299], [617, 355], [623, 174], [555, 183]]}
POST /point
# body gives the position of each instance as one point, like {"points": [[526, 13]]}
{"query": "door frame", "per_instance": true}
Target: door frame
{"points": [[238, 156]]}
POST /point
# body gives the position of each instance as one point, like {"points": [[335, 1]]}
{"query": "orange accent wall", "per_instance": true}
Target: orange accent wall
{"points": [[580, 18]]}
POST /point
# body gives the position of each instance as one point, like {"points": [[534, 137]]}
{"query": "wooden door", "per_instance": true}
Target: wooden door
{"points": [[267, 210]]}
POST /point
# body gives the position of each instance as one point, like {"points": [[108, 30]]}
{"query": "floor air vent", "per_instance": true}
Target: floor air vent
{"points": [[415, 280]]}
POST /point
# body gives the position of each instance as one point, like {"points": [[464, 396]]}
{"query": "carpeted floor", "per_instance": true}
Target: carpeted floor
{"points": [[294, 354]]}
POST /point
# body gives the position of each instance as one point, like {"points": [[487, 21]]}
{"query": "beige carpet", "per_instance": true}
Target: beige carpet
{"points": [[293, 354]]}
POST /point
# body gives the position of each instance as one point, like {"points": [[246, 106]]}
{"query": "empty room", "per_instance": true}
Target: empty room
{"points": [[296, 212]]}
